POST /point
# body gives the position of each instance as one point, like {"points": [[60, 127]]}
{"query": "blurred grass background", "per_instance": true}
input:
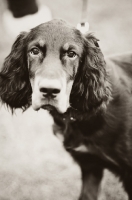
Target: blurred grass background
{"points": [[111, 22]]}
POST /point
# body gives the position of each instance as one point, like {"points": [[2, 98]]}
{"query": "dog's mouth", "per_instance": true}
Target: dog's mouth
{"points": [[60, 105], [49, 107]]}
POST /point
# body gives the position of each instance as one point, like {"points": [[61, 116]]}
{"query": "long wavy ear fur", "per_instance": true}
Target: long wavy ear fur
{"points": [[91, 89], [15, 89]]}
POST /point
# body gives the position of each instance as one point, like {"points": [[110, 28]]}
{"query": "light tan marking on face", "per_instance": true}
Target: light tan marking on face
{"points": [[41, 42], [38, 41], [66, 46]]}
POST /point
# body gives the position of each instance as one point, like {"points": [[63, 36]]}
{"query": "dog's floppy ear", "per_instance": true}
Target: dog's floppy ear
{"points": [[15, 87], [91, 89]]}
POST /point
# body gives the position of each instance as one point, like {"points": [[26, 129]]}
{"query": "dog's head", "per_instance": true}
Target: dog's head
{"points": [[54, 65]]}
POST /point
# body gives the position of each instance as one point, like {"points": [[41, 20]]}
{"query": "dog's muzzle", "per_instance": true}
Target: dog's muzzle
{"points": [[50, 93]]}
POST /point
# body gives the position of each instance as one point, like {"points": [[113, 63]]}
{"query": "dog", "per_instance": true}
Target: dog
{"points": [[57, 68]]}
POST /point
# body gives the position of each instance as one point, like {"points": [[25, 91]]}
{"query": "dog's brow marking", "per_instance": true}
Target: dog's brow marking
{"points": [[38, 42], [66, 46], [41, 43]]}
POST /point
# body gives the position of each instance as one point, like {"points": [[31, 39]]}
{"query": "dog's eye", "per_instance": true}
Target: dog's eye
{"points": [[35, 51], [71, 54]]}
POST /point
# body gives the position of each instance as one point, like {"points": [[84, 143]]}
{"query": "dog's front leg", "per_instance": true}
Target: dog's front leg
{"points": [[91, 184]]}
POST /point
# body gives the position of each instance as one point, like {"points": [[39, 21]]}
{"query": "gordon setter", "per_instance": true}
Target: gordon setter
{"points": [[57, 68]]}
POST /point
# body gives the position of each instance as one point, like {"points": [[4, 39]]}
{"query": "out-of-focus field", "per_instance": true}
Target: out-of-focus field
{"points": [[111, 21], [33, 163]]}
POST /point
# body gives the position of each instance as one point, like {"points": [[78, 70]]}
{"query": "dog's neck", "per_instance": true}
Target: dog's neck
{"points": [[84, 121], [72, 114]]}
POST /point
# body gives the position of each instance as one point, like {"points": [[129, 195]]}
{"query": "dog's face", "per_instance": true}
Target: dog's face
{"points": [[55, 66], [53, 57]]}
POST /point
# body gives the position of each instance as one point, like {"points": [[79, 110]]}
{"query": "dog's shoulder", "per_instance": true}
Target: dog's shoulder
{"points": [[120, 70], [121, 62]]}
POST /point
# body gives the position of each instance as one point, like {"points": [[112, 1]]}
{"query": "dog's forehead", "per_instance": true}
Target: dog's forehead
{"points": [[57, 33]]}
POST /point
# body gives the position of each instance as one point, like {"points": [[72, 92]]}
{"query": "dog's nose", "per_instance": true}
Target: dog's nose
{"points": [[50, 92]]}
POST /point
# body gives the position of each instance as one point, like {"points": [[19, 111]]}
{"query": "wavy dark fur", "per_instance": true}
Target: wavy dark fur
{"points": [[15, 89], [91, 88]]}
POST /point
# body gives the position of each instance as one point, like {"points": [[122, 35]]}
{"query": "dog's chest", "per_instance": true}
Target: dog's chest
{"points": [[77, 132]]}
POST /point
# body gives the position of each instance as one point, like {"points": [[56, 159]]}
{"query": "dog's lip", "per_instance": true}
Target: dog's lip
{"points": [[48, 107], [52, 108]]}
